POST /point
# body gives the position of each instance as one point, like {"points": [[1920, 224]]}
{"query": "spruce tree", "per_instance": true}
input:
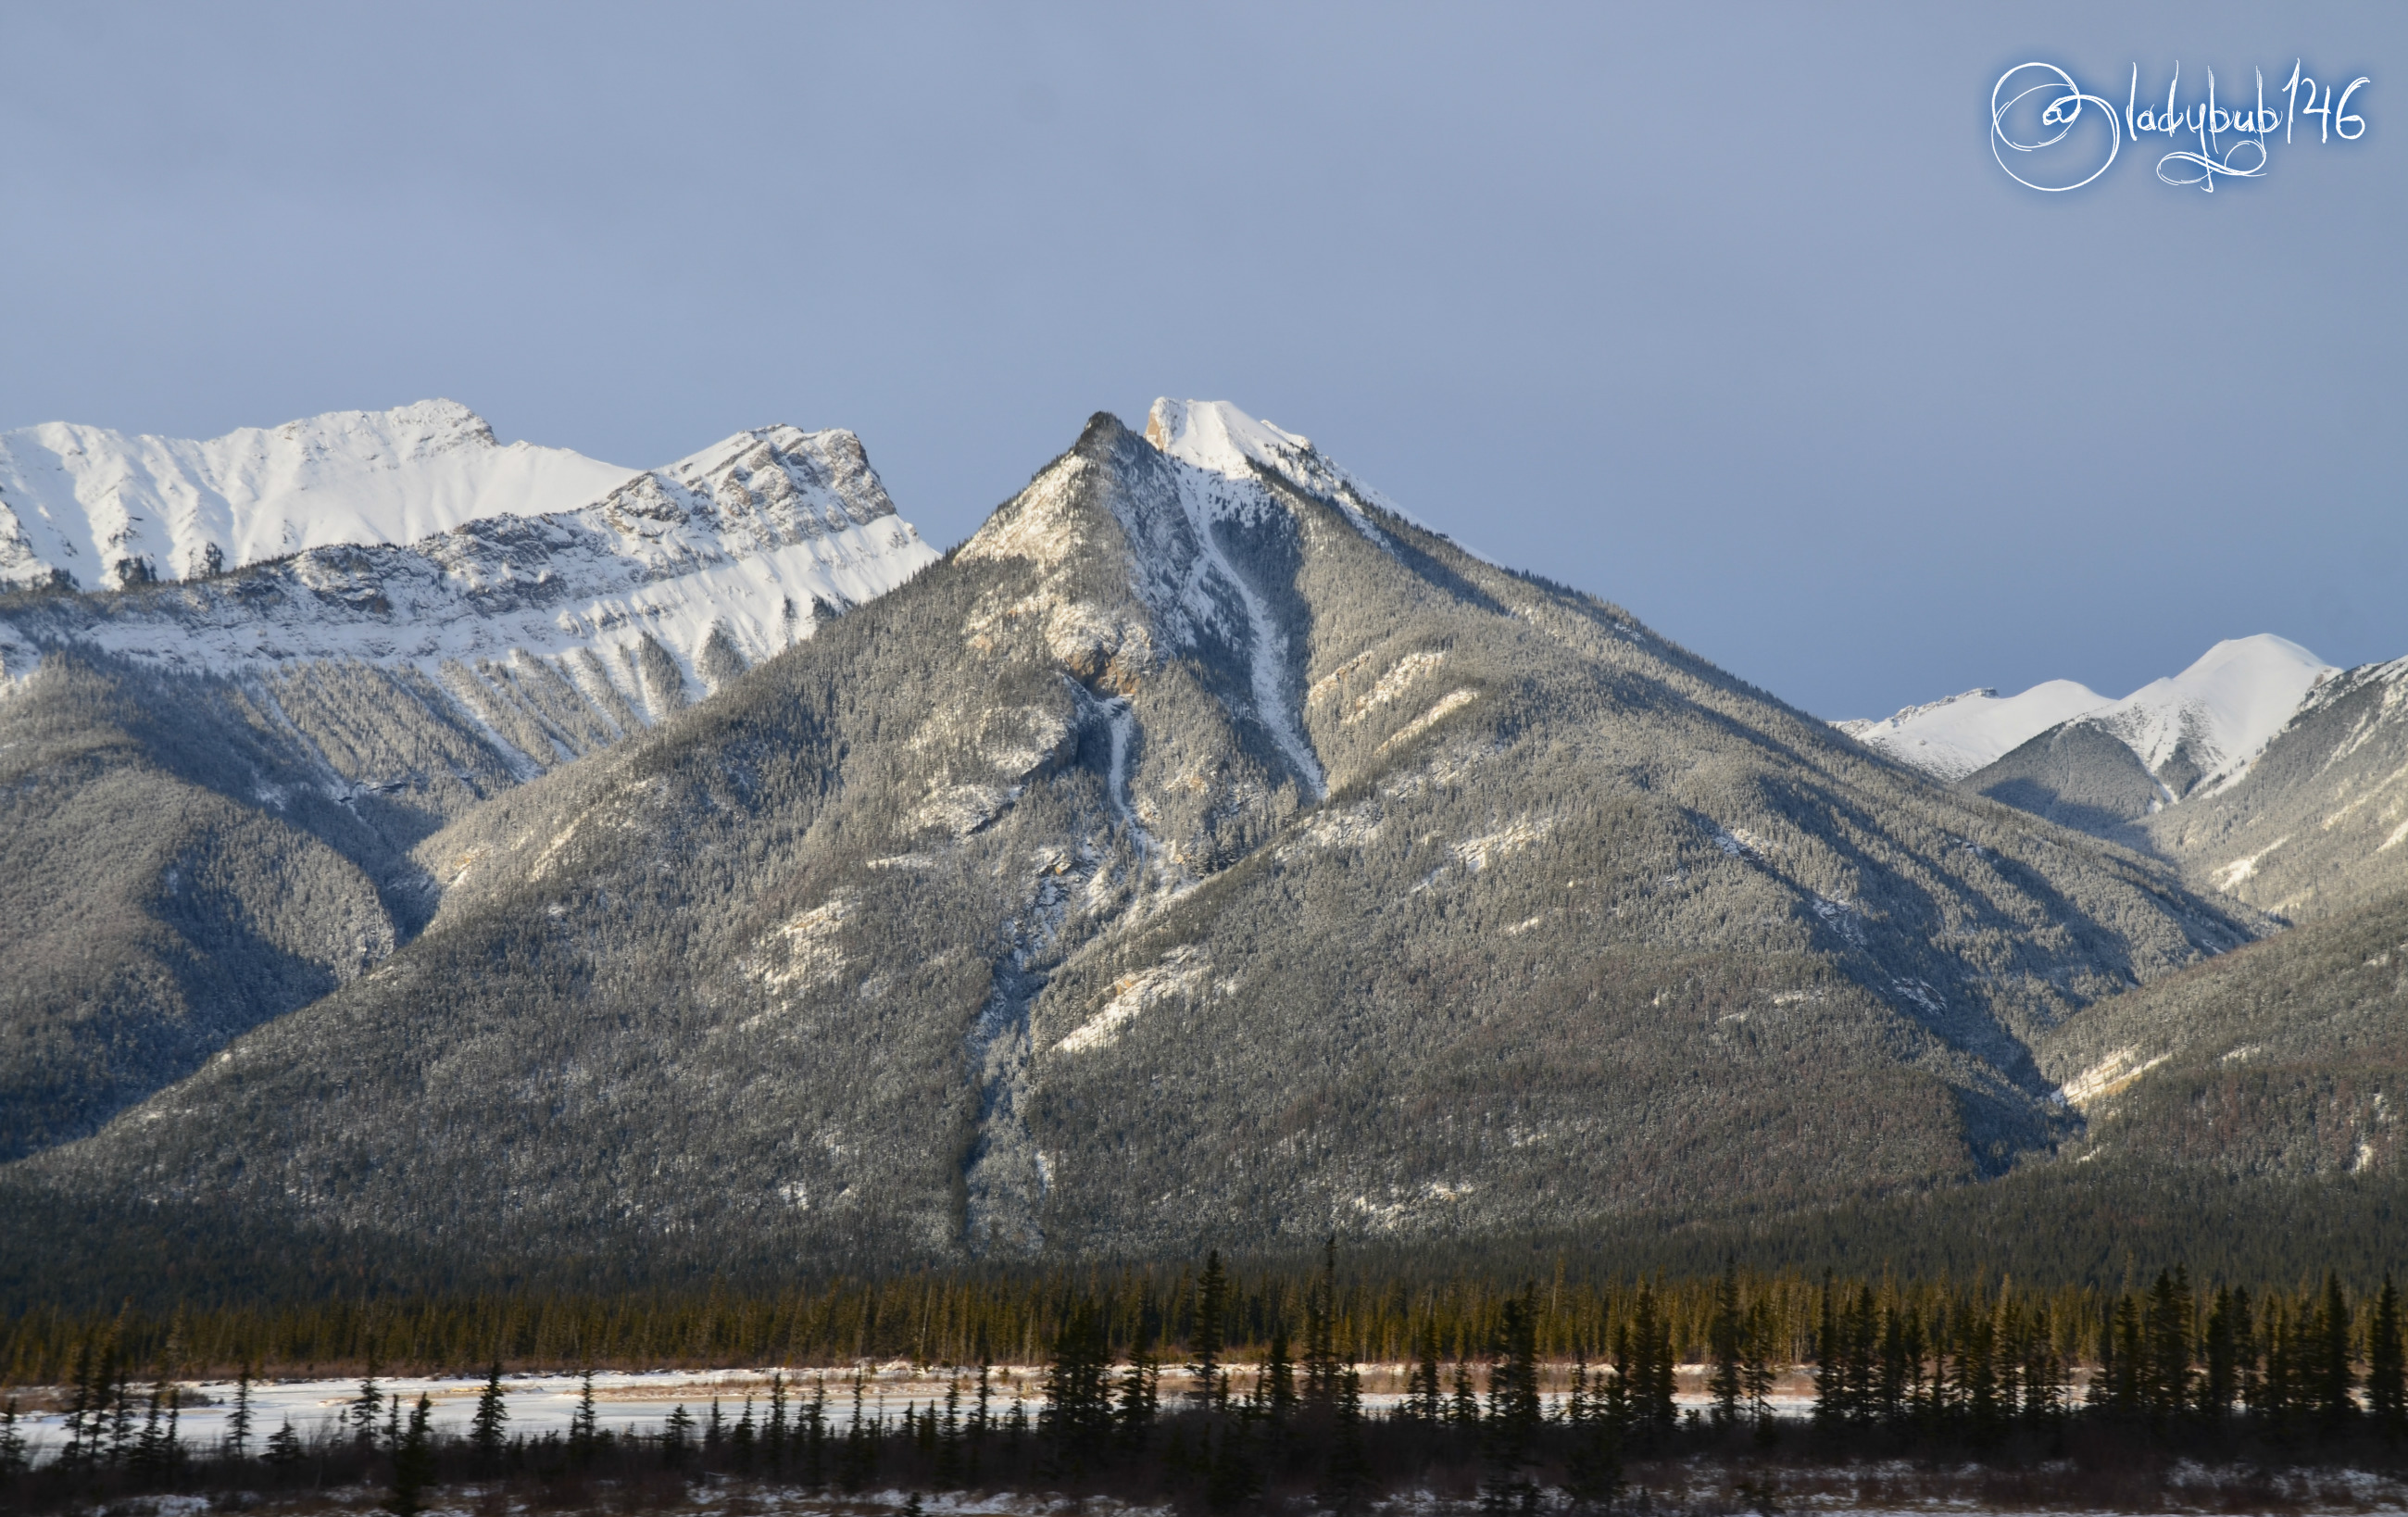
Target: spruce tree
{"points": [[1320, 1332], [774, 1435], [1346, 1484], [677, 1436], [1427, 1396], [485, 1425], [237, 1433], [2387, 1364], [2334, 1378], [1725, 1343], [1463, 1406], [365, 1408], [1078, 1414], [584, 1424], [1140, 1400], [413, 1461], [1514, 1411], [283, 1447], [1211, 1310], [2219, 1383], [1277, 1394], [13, 1461]]}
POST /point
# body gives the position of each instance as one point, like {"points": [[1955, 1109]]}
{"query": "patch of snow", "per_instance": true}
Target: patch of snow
{"points": [[2108, 1077], [1179, 973], [2230, 876], [1452, 701]]}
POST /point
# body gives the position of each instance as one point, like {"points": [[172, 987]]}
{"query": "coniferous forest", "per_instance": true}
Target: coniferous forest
{"points": [[1222, 1388]]}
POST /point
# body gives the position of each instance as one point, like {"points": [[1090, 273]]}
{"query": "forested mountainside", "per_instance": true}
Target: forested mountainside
{"points": [[2285, 1059], [209, 789], [1201, 852]]}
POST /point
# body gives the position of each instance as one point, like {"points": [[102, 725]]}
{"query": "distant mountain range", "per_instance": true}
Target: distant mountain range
{"points": [[1202, 852]]}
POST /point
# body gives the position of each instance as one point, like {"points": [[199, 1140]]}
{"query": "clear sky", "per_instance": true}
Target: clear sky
{"points": [[1724, 312]]}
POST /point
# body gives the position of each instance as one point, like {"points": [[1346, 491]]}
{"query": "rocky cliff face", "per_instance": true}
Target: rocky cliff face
{"points": [[1202, 852]]}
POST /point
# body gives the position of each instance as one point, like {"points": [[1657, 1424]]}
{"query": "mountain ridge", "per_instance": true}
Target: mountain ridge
{"points": [[1198, 853]]}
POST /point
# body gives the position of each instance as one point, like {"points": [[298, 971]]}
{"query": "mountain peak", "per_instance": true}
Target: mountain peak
{"points": [[1216, 435], [88, 507]]}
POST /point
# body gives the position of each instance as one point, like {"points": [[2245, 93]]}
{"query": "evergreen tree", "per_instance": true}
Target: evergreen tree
{"points": [[1078, 1416], [1725, 1343], [2219, 1381], [949, 1436], [677, 1436], [1425, 1395], [1320, 1332], [2165, 1382], [1514, 1411], [13, 1460], [742, 1440], [485, 1425], [413, 1461], [2334, 1378], [1140, 1399], [1462, 1402], [1759, 1373], [1278, 1385], [283, 1447], [238, 1420], [1347, 1484], [363, 1409], [79, 1410], [1212, 1387], [585, 1424], [1830, 1373], [2387, 1364], [775, 1434]]}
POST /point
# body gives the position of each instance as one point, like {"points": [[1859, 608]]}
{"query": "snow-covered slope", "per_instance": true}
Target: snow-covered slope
{"points": [[2199, 728], [86, 507], [2203, 726], [1954, 736], [557, 630]]}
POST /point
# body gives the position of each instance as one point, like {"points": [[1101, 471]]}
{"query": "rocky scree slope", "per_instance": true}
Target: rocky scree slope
{"points": [[1202, 852], [212, 787]]}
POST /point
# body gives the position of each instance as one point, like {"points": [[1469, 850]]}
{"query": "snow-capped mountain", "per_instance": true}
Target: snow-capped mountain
{"points": [[211, 787], [86, 507], [550, 626], [2195, 730], [1202, 850], [1953, 736]]}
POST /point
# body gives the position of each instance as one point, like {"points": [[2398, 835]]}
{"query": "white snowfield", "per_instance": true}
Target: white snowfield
{"points": [[109, 510], [1956, 736], [717, 561], [2224, 710]]}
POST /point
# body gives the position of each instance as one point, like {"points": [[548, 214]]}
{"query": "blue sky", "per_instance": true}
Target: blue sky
{"points": [[1725, 313]]}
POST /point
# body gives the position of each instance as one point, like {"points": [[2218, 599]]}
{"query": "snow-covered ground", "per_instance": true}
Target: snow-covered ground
{"points": [[639, 1402], [2224, 710]]}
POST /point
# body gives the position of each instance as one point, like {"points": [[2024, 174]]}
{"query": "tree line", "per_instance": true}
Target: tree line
{"points": [[1976, 1373]]}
